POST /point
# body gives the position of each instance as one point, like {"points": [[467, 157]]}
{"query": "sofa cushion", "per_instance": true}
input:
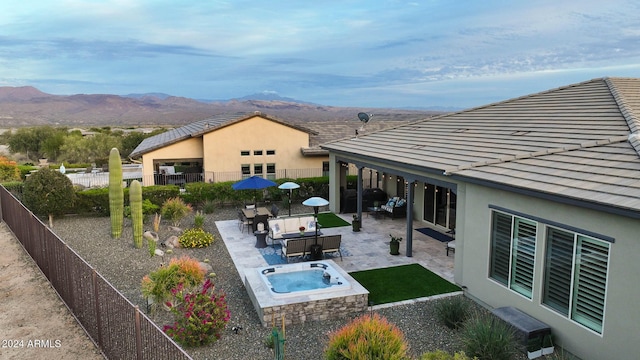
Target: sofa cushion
{"points": [[311, 225], [291, 224]]}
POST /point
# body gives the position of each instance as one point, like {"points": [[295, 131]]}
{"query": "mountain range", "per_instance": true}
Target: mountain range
{"points": [[28, 106]]}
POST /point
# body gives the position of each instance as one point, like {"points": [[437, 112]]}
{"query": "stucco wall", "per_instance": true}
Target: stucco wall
{"points": [[620, 329], [222, 147], [186, 149]]}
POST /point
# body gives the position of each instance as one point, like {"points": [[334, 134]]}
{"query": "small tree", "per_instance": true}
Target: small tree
{"points": [[48, 192]]}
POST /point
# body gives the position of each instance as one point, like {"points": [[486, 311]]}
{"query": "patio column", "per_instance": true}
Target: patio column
{"points": [[410, 195], [360, 192]]}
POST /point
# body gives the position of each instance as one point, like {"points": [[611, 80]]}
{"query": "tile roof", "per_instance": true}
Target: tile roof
{"points": [[199, 128], [580, 141]]}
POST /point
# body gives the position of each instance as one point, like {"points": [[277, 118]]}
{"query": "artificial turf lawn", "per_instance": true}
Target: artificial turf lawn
{"points": [[403, 282], [330, 220]]}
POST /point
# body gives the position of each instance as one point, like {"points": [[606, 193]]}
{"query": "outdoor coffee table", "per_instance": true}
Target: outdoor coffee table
{"points": [[297, 235], [376, 211]]}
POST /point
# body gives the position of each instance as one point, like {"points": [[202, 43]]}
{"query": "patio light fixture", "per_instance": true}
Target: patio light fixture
{"points": [[289, 186], [316, 202]]}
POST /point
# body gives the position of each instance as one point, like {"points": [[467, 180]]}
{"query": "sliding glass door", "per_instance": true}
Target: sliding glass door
{"points": [[440, 206]]}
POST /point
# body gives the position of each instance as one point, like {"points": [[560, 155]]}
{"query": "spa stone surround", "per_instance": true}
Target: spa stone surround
{"points": [[315, 306]]}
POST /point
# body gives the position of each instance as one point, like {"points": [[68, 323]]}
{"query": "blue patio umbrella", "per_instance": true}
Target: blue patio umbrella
{"points": [[253, 183]]}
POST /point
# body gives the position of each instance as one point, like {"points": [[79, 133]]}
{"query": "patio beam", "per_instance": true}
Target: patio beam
{"points": [[410, 196]]}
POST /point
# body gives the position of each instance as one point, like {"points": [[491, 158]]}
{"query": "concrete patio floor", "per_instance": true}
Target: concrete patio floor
{"points": [[368, 249]]}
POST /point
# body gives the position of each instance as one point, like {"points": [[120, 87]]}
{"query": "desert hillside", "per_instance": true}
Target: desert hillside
{"points": [[28, 106]]}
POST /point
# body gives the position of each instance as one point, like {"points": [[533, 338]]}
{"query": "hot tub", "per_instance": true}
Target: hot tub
{"points": [[302, 279], [335, 295]]}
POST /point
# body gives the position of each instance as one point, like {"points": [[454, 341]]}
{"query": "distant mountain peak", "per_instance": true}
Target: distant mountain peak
{"points": [[268, 95], [20, 93]]}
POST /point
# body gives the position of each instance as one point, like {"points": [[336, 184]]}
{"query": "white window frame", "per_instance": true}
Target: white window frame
{"points": [[590, 259], [516, 273]]}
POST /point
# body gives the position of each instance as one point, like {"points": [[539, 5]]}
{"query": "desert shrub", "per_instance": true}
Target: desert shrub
{"points": [[368, 337], [198, 192], [208, 206], [453, 311], [159, 283], [441, 355], [198, 220], [26, 169], [147, 208], [201, 315], [14, 187], [488, 338], [175, 209], [151, 246], [93, 201], [48, 192], [559, 354], [158, 194], [9, 170], [195, 238]]}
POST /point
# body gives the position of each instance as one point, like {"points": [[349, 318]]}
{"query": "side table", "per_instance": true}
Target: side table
{"points": [[261, 238]]}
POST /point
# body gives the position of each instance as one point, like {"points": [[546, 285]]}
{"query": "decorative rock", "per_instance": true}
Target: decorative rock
{"points": [[159, 252], [175, 229], [151, 235], [174, 241], [206, 267]]}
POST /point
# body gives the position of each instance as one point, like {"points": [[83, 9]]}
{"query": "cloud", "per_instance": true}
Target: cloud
{"points": [[387, 53]]}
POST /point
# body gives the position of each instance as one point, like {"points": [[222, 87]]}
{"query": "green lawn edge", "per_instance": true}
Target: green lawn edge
{"points": [[404, 282]]}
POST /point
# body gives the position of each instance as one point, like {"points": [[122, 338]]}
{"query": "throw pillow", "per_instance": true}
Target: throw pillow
{"points": [[390, 203], [312, 225], [400, 203], [276, 228]]}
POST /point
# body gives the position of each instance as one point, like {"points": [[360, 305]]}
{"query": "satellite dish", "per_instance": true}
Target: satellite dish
{"points": [[364, 118]]}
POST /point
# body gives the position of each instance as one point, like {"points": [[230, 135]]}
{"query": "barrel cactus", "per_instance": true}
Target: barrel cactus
{"points": [[116, 193], [135, 200]]}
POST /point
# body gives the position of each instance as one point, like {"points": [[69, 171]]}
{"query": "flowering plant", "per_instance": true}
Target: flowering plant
{"points": [[200, 316], [302, 228]]}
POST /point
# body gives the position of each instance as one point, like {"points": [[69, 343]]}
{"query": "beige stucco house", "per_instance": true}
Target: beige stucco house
{"points": [[544, 194], [230, 147]]}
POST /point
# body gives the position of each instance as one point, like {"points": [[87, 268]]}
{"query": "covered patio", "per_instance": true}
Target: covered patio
{"points": [[364, 250]]}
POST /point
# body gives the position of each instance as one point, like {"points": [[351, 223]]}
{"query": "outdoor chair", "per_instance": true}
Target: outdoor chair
{"points": [[331, 244], [293, 247], [275, 210], [260, 219], [242, 221], [451, 245]]}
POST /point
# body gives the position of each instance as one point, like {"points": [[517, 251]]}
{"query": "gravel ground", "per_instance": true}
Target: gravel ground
{"points": [[124, 266]]}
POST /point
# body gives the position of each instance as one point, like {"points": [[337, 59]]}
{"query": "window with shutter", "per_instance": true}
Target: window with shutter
{"points": [[575, 278], [513, 245]]}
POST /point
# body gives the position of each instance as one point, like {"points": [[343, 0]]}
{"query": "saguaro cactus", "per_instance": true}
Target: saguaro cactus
{"points": [[116, 193], [135, 201]]}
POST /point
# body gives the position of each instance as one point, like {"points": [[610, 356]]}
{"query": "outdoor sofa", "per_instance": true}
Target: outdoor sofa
{"points": [[395, 207], [290, 225]]}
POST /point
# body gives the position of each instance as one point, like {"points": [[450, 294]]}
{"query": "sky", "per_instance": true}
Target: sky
{"points": [[370, 53]]}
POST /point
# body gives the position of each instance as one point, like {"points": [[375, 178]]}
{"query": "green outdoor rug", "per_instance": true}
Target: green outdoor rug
{"points": [[400, 283], [331, 220]]}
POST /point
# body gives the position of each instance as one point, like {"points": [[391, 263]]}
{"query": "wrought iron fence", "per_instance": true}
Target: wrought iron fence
{"points": [[115, 325]]}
